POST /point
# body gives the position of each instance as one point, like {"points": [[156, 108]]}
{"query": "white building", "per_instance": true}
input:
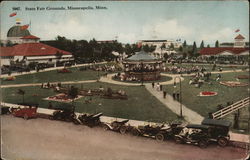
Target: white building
{"points": [[29, 49], [162, 46]]}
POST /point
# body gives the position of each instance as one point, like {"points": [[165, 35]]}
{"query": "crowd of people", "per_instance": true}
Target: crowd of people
{"points": [[184, 70]]}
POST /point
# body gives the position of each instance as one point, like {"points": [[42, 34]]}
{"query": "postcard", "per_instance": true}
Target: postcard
{"points": [[124, 80]]}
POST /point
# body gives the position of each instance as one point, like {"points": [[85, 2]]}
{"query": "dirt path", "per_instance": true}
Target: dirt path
{"points": [[40, 139]]}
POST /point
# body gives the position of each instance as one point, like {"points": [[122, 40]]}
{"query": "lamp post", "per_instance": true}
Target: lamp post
{"points": [[181, 116]]}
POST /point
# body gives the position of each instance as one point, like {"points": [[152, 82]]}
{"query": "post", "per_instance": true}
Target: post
{"points": [[142, 79], [180, 94]]}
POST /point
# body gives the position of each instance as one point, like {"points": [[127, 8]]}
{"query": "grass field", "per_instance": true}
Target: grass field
{"points": [[204, 105], [209, 67], [141, 105], [53, 76]]}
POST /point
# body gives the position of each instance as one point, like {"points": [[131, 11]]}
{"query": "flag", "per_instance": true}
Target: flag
{"points": [[13, 14], [237, 30], [24, 27]]}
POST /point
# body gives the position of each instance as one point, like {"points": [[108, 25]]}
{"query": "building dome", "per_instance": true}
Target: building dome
{"points": [[17, 31]]}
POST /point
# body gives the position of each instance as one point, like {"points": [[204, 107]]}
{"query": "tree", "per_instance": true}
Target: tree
{"points": [[208, 46], [194, 50], [202, 44], [180, 48], [171, 46], [217, 43], [185, 44]]}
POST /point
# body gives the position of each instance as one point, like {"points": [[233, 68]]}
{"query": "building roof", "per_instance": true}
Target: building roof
{"points": [[141, 56], [6, 51], [239, 37], [154, 40], [17, 31], [215, 122], [218, 50], [30, 37], [31, 49]]}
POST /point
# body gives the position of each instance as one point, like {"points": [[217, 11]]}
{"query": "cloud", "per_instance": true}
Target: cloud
{"points": [[223, 35], [170, 29], [127, 38], [72, 30]]}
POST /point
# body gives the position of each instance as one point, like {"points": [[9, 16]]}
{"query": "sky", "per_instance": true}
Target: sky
{"points": [[130, 21]]}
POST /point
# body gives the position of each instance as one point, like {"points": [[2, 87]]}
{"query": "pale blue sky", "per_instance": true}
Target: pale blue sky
{"points": [[132, 21]]}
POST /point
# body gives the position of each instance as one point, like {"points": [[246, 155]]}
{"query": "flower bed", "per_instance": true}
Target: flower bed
{"points": [[207, 93], [243, 76], [64, 70], [61, 98], [10, 78]]}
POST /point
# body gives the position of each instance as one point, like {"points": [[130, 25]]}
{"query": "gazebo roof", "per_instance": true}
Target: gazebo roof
{"points": [[141, 56]]}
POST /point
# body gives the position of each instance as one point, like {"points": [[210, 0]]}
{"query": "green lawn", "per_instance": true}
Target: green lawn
{"points": [[141, 105], [204, 105], [209, 67], [53, 76]]}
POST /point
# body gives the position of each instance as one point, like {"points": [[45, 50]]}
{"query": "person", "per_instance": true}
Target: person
{"points": [[164, 94], [218, 77], [101, 89], [177, 96], [153, 84], [42, 85], [50, 105], [174, 95], [158, 87]]}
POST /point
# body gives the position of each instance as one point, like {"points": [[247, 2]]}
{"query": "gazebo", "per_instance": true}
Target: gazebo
{"points": [[142, 67]]}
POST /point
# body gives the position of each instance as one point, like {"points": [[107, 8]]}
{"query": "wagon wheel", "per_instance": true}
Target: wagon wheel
{"points": [[25, 117], [202, 144], [159, 137], [123, 129], [222, 141], [178, 140], [135, 132], [105, 127]]}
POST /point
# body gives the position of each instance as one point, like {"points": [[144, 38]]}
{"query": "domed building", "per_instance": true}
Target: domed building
{"points": [[28, 49], [17, 32]]}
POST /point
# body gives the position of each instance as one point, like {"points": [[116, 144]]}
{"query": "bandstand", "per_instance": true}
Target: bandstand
{"points": [[142, 67]]}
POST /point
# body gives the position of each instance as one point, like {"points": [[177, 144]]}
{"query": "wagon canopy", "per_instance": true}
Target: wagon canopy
{"points": [[197, 126], [215, 122]]}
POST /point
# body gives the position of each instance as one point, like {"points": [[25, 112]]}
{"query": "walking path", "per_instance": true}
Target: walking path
{"points": [[174, 106]]}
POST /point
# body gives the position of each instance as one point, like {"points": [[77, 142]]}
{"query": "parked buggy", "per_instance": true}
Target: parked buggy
{"points": [[153, 131], [170, 132], [90, 120], [26, 113], [118, 126], [194, 134], [219, 130], [64, 115]]}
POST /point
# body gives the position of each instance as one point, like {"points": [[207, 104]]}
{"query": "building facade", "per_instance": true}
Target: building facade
{"points": [[26, 48], [162, 46]]}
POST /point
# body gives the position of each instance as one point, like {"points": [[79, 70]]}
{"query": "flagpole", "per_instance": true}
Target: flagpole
{"points": [[30, 26]]}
